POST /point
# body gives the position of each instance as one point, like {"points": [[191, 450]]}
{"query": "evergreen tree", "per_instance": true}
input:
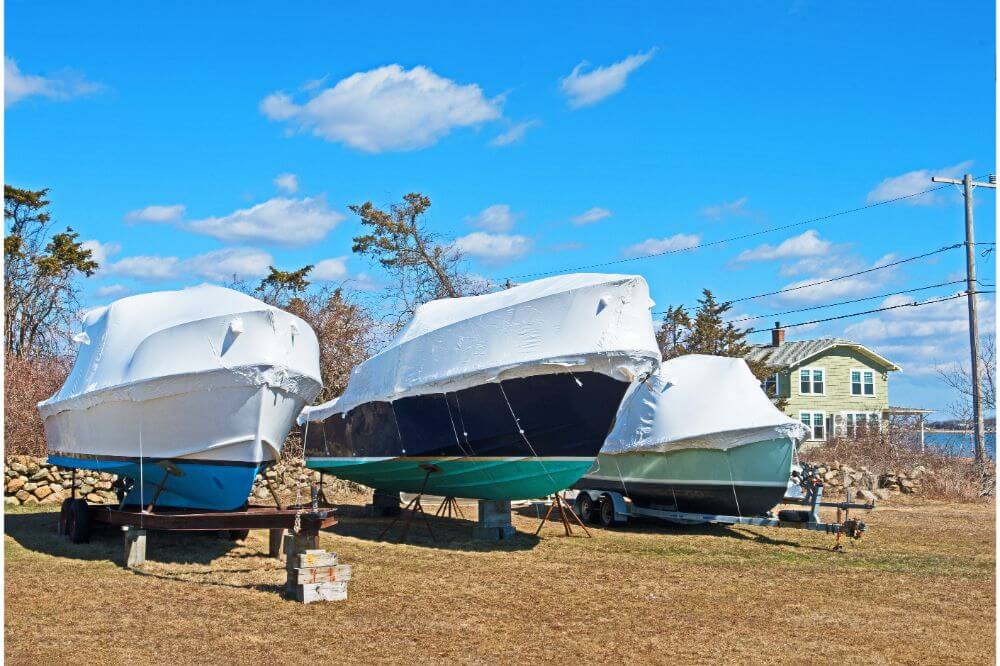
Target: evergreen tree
{"points": [[40, 271], [707, 333]]}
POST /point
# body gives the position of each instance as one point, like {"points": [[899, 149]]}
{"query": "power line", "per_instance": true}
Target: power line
{"points": [[858, 314], [855, 300], [848, 275], [821, 218]]}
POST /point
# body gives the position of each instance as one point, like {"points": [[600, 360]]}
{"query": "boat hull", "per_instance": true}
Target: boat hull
{"points": [[513, 439], [190, 484], [483, 478], [747, 480], [217, 437]]}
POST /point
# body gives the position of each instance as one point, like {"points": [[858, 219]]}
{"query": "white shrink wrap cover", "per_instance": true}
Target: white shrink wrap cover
{"points": [[589, 321], [205, 372], [699, 401]]}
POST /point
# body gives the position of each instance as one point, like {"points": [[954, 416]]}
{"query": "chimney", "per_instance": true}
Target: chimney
{"points": [[777, 335]]}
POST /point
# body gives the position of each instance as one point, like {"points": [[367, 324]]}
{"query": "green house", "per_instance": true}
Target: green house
{"points": [[834, 386]]}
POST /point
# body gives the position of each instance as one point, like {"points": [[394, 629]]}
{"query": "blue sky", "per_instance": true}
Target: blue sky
{"points": [[547, 137]]}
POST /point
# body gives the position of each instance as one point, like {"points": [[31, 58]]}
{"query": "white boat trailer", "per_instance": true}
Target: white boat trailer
{"points": [[611, 508]]}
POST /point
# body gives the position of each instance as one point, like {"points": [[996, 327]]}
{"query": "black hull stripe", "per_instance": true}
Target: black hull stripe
{"points": [[150, 460], [555, 415], [726, 499]]}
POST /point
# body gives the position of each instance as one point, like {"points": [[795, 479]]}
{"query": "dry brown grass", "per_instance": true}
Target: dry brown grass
{"points": [[919, 588]]}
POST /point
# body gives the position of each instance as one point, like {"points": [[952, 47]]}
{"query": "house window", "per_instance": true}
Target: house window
{"points": [[862, 382], [812, 381], [858, 422], [816, 422], [771, 385]]}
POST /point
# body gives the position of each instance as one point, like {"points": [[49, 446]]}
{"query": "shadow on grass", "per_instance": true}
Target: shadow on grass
{"points": [[36, 531], [428, 531], [645, 525], [192, 577]]}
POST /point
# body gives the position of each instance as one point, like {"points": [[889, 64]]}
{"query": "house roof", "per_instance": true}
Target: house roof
{"points": [[792, 353]]}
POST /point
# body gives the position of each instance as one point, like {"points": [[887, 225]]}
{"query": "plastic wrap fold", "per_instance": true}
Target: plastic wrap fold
{"points": [[698, 401], [591, 322]]}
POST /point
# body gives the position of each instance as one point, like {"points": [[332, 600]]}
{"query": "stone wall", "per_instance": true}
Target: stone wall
{"points": [[29, 480], [867, 485]]}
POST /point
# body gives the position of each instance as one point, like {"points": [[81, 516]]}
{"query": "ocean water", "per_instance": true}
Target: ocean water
{"points": [[958, 443]]}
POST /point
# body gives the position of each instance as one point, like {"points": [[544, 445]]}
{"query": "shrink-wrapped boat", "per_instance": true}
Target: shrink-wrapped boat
{"points": [[508, 395], [699, 436], [186, 394]]}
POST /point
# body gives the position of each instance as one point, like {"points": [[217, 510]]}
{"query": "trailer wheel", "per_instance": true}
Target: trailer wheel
{"points": [[64, 511], [238, 535], [606, 507], [585, 507], [78, 523]]}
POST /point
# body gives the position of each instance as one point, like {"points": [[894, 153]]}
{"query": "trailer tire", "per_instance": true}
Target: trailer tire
{"points": [[64, 511], [585, 507], [238, 535], [78, 522], [606, 510]]}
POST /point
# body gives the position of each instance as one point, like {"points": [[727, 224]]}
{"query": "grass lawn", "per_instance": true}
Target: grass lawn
{"points": [[918, 588]]}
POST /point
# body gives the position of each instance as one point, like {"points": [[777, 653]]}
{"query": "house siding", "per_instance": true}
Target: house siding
{"points": [[836, 399]]}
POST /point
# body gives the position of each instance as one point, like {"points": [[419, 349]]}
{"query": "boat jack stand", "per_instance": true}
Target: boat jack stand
{"points": [[448, 506], [565, 512], [414, 507]]}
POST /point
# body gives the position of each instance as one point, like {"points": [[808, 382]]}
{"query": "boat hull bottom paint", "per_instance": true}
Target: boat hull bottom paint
{"points": [[747, 480], [484, 478], [212, 486], [516, 438]]}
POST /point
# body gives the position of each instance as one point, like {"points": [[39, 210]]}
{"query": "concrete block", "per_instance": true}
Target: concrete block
{"points": [[494, 522], [385, 504], [135, 547]]}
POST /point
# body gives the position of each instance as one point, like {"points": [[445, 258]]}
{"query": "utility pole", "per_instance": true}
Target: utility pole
{"points": [[970, 289]]}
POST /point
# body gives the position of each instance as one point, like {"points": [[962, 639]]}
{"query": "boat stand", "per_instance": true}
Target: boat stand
{"points": [[415, 506], [448, 507], [565, 512]]}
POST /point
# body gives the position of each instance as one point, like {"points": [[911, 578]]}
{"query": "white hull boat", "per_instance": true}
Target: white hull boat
{"points": [[186, 393]]}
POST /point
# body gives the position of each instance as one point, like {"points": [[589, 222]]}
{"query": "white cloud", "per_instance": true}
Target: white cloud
{"points": [[61, 86], [661, 245], [726, 209], [101, 252], [279, 220], [595, 214], [493, 248], [156, 214], [586, 88], [111, 290], [287, 182], [329, 270], [227, 263], [514, 134], [912, 182], [219, 265], [145, 267], [807, 244], [498, 217], [389, 108], [825, 267]]}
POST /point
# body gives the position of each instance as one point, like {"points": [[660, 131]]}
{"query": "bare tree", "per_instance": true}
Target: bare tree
{"points": [[346, 330], [959, 378], [40, 271], [424, 268]]}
